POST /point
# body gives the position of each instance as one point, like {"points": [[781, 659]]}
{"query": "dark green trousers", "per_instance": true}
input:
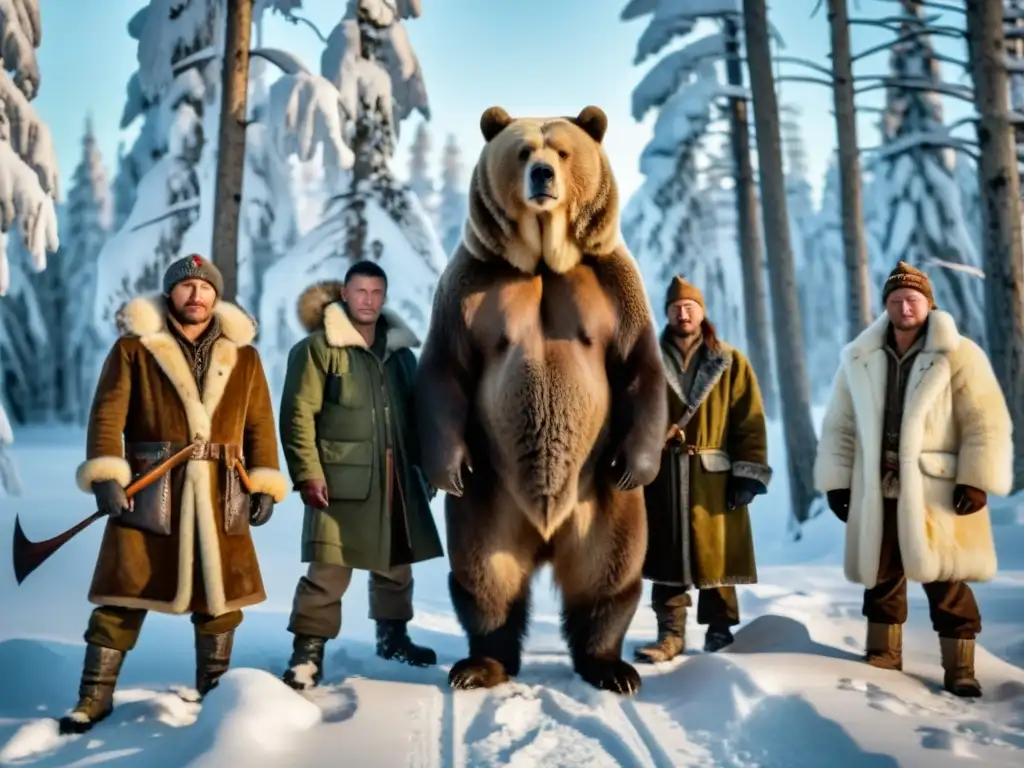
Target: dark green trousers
{"points": [[118, 628]]}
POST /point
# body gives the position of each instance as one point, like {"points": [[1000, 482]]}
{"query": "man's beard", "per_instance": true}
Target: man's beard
{"points": [[183, 319], [685, 334]]}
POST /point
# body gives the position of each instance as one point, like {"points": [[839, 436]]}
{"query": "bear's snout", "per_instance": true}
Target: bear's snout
{"points": [[541, 183]]}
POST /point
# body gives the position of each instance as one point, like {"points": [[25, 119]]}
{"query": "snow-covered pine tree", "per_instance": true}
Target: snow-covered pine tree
{"points": [[662, 223], [25, 341], [151, 142], [924, 217], [419, 167], [178, 80], [180, 51], [370, 60], [28, 190], [28, 165], [453, 203], [371, 81], [823, 288], [85, 226]]}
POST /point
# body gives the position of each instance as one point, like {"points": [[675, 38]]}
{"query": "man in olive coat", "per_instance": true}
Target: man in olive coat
{"points": [[353, 454], [714, 463]]}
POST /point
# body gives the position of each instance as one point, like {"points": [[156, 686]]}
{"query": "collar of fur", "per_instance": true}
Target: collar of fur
{"points": [[561, 243], [319, 308], [941, 337], [147, 315]]}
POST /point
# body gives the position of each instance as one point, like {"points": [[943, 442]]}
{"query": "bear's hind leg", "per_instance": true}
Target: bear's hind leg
{"points": [[495, 649], [598, 557], [595, 632], [493, 554]]}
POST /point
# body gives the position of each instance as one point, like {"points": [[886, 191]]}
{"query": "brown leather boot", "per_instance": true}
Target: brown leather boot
{"points": [[671, 638], [884, 646], [96, 689], [213, 657], [958, 665]]}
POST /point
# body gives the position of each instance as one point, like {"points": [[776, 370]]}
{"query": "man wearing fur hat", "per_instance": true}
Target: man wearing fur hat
{"points": [[916, 435], [714, 463], [182, 369], [347, 425]]}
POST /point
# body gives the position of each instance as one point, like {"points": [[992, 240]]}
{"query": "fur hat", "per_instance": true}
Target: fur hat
{"points": [[193, 267], [680, 290], [905, 276]]}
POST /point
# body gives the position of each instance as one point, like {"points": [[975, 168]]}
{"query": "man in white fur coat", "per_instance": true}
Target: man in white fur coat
{"points": [[916, 435]]}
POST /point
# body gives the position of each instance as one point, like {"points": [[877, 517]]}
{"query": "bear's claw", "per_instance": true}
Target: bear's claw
{"points": [[477, 673], [613, 675]]}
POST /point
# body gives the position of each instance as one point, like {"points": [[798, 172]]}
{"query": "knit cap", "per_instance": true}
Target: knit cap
{"points": [[906, 276], [680, 290], [193, 267]]}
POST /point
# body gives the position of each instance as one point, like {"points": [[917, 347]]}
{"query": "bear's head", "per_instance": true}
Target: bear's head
{"points": [[542, 189]]}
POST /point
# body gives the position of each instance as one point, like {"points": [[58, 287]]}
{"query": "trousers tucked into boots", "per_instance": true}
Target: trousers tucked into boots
{"points": [[954, 614], [716, 608], [113, 631], [316, 618]]}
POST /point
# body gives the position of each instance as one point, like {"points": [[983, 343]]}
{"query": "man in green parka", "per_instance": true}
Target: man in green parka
{"points": [[347, 427], [714, 463]]}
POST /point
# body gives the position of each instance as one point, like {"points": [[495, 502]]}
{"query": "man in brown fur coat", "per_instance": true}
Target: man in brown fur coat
{"points": [[916, 435], [182, 369]]}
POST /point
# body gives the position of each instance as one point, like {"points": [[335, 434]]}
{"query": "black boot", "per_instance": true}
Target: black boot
{"points": [[393, 643], [213, 657], [95, 691], [718, 637], [306, 666]]}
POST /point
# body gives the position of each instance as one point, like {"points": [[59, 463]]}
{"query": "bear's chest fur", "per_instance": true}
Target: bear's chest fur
{"points": [[538, 313]]}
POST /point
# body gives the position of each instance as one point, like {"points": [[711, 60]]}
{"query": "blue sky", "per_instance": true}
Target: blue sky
{"points": [[529, 56]]}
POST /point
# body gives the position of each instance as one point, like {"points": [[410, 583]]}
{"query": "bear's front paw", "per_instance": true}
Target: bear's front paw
{"points": [[613, 675], [632, 470], [477, 673], [447, 475]]}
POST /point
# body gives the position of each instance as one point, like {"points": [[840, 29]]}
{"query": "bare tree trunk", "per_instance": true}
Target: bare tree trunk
{"points": [[855, 248], [231, 143], [801, 441], [1000, 194], [748, 229]]}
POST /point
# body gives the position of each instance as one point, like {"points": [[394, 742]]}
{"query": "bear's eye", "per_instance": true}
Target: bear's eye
{"points": [[563, 154], [524, 154]]}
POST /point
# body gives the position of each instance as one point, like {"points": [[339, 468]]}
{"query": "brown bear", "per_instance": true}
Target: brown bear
{"points": [[541, 374]]}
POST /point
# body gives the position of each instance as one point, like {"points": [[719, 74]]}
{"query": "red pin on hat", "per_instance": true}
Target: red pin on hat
{"points": [[195, 262]]}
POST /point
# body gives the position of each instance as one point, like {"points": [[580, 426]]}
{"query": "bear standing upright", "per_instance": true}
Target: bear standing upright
{"points": [[541, 400]]}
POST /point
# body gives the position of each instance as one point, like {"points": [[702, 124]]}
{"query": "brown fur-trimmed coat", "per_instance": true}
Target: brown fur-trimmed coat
{"points": [[956, 429], [147, 393]]}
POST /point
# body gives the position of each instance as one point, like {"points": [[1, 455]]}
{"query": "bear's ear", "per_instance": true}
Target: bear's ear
{"points": [[594, 121], [493, 121]]}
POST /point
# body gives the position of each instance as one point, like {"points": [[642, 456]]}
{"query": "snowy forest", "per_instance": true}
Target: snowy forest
{"points": [[318, 188], [726, 198]]}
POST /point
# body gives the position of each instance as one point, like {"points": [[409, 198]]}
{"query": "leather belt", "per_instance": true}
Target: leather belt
{"points": [[214, 452]]}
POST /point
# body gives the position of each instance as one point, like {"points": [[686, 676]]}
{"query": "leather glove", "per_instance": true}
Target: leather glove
{"points": [[741, 491], [111, 498], [261, 507], [314, 494], [967, 499], [839, 503]]}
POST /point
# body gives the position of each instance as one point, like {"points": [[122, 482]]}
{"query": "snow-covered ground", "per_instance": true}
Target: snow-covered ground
{"points": [[790, 692]]}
